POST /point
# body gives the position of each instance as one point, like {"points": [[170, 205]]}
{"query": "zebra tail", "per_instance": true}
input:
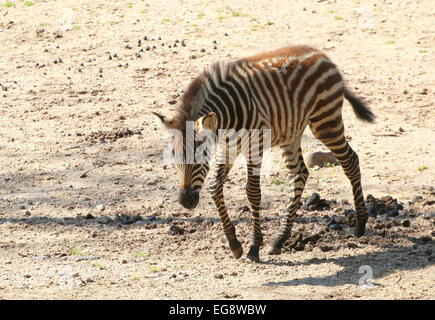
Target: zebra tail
{"points": [[361, 110]]}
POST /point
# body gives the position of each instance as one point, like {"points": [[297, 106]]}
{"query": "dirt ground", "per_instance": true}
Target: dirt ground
{"points": [[88, 209]]}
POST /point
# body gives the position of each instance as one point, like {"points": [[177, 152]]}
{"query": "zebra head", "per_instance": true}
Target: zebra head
{"points": [[191, 149]]}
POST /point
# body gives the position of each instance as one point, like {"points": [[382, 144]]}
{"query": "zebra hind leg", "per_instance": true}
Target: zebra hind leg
{"points": [[331, 134], [294, 162]]}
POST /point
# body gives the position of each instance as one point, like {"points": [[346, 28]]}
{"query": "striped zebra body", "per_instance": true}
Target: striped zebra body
{"points": [[283, 91]]}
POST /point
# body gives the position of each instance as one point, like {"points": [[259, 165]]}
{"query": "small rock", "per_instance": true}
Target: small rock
{"points": [[244, 208], [416, 199], [40, 258], [219, 276], [58, 34], [174, 230], [352, 245], [382, 217], [326, 248], [99, 208], [406, 223], [320, 159]]}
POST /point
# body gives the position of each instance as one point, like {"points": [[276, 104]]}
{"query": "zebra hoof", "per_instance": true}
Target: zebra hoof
{"points": [[273, 250], [237, 253], [253, 254]]}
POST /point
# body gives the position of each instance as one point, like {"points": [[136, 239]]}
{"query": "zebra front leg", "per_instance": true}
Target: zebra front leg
{"points": [[295, 164], [253, 191], [216, 189]]}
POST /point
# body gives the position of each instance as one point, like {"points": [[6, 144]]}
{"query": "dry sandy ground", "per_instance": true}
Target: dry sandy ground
{"points": [[77, 141]]}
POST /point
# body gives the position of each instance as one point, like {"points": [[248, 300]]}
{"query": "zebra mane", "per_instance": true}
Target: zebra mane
{"points": [[198, 91]]}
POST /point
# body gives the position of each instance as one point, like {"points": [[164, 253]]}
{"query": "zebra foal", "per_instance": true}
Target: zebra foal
{"points": [[281, 91]]}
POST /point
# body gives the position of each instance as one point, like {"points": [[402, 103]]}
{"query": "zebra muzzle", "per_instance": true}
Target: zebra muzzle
{"points": [[188, 198]]}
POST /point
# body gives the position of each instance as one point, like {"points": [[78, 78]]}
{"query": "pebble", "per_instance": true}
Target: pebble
{"points": [[244, 208], [416, 199], [326, 248], [382, 217], [173, 230], [406, 223], [320, 159], [40, 258], [352, 245], [99, 208]]}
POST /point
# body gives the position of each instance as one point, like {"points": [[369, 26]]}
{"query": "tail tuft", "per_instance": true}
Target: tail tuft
{"points": [[359, 107]]}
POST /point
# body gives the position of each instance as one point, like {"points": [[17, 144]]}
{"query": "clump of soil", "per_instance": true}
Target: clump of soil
{"points": [[315, 203], [384, 205]]}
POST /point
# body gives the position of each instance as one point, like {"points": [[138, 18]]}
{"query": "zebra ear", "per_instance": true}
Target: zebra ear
{"points": [[165, 122], [207, 122]]}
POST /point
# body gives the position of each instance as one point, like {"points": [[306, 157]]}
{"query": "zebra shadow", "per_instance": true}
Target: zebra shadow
{"points": [[357, 269]]}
